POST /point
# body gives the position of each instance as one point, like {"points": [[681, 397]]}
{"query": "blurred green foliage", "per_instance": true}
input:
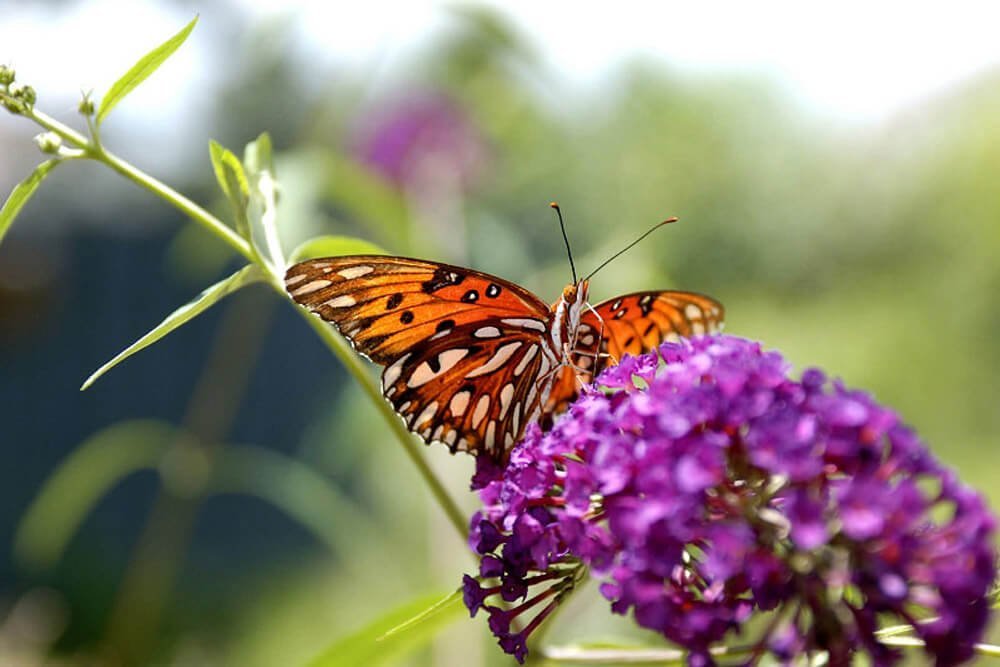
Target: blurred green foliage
{"points": [[869, 251]]}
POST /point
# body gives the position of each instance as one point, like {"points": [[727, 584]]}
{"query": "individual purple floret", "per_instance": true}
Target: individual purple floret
{"points": [[706, 485]]}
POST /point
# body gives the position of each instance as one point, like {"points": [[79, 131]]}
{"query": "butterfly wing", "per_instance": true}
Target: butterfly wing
{"points": [[462, 349], [632, 324]]}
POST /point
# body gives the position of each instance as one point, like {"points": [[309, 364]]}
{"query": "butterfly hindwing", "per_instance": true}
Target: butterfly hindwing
{"points": [[473, 390], [637, 323], [631, 324]]}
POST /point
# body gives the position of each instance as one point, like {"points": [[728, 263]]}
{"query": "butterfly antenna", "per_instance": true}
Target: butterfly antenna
{"points": [[569, 253], [629, 246]]}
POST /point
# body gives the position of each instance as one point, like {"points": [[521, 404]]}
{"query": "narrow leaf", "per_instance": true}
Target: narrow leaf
{"points": [[257, 155], [21, 193], [148, 64], [245, 276], [441, 605], [364, 647], [233, 182], [263, 213], [80, 481], [334, 246]]}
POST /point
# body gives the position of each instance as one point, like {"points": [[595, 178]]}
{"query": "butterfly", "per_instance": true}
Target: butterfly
{"points": [[471, 359]]}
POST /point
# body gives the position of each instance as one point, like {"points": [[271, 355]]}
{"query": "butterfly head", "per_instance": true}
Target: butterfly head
{"points": [[574, 300]]}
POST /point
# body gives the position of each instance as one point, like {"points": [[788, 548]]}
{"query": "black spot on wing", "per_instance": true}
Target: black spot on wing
{"points": [[394, 301], [646, 304], [442, 278]]}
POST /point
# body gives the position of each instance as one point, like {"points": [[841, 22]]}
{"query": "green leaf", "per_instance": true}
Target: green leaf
{"points": [[21, 193], [334, 246], [263, 213], [263, 208], [257, 155], [394, 634], [80, 481], [148, 64], [438, 607], [245, 276], [233, 181]]}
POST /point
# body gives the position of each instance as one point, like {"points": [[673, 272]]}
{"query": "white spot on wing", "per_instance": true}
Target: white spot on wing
{"points": [[342, 301], [506, 394], [295, 280], [391, 373], [491, 435], [487, 332], [526, 359], [449, 437], [446, 361], [459, 403], [482, 405], [427, 414], [525, 323], [312, 286], [692, 312], [355, 272], [498, 359]]}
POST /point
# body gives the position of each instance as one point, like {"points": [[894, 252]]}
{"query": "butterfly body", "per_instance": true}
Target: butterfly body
{"points": [[471, 359]]}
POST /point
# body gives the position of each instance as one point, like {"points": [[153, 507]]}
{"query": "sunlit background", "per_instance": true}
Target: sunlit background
{"points": [[834, 168]]}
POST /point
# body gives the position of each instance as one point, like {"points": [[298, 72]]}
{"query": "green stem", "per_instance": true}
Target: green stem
{"points": [[179, 201]]}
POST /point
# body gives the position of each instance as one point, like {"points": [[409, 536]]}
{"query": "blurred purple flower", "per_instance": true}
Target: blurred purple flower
{"points": [[716, 487], [421, 137]]}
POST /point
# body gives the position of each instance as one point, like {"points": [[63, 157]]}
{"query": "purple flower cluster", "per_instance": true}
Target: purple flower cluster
{"points": [[713, 486], [421, 137]]}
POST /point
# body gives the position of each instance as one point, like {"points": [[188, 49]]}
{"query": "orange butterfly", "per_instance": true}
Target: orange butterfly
{"points": [[471, 359]]}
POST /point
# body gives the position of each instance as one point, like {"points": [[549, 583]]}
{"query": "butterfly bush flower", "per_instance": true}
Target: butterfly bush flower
{"points": [[712, 487], [421, 136]]}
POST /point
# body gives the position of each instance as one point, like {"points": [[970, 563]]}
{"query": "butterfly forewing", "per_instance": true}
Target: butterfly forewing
{"points": [[464, 351]]}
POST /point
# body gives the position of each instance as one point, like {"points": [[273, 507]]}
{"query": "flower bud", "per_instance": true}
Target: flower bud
{"points": [[28, 96], [86, 107], [48, 142], [6, 75]]}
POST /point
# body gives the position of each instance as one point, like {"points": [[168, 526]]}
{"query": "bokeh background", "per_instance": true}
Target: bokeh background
{"points": [[834, 168]]}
